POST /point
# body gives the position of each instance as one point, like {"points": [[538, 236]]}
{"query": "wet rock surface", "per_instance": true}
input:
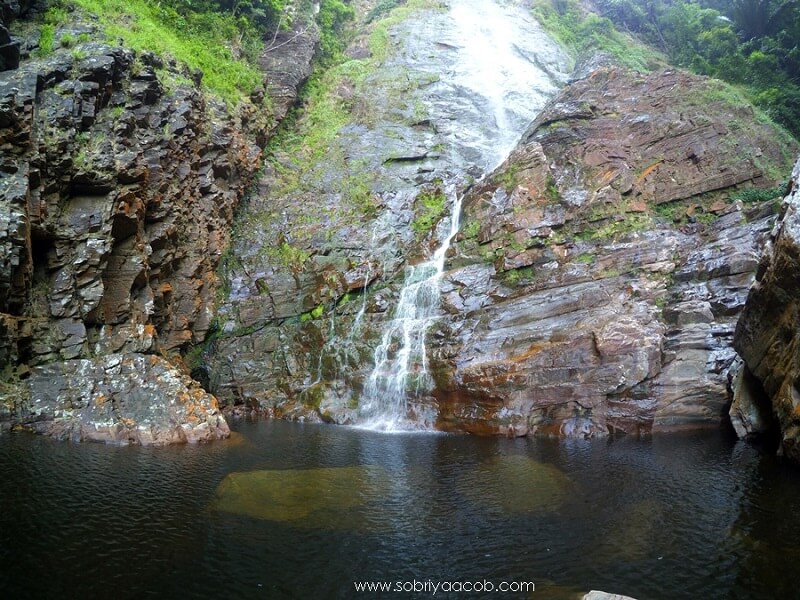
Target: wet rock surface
{"points": [[601, 269], [597, 595], [415, 120], [117, 191], [767, 395], [594, 286]]}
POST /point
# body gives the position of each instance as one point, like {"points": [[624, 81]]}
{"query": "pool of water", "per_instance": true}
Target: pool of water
{"points": [[302, 511]]}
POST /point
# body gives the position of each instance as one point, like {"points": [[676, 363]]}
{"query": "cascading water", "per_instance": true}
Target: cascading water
{"points": [[401, 360], [495, 70]]}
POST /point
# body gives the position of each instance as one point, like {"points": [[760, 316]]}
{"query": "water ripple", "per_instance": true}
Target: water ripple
{"points": [[679, 516]]}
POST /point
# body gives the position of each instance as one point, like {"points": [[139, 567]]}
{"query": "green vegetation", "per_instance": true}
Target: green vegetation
{"points": [[288, 255], [751, 43], [754, 195], [314, 313], [382, 7], [306, 157], [67, 40], [552, 190], [46, 39], [325, 113], [508, 178], [584, 32], [471, 230], [675, 212], [53, 17], [223, 46], [685, 211], [56, 15], [517, 276], [430, 206], [222, 38], [616, 228], [333, 14], [87, 147], [490, 255], [305, 153]]}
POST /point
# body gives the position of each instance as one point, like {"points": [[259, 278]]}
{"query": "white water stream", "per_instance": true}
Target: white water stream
{"points": [[496, 69], [401, 359]]}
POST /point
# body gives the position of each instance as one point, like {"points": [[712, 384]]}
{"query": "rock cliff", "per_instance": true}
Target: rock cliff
{"points": [[594, 287], [602, 268], [767, 392], [119, 181]]}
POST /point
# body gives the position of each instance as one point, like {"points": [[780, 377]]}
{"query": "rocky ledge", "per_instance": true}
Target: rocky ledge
{"points": [[767, 391], [121, 398], [119, 177], [594, 287], [601, 270]]}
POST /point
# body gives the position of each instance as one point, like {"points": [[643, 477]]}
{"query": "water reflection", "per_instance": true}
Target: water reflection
{"points": [[675, 516]]}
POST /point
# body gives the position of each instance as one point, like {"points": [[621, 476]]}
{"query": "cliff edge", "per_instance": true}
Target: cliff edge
{"points": [[118, 184], [767, 391]]}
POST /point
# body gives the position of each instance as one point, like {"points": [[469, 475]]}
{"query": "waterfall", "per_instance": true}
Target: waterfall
{"points": [[496, 69], [401, 359]]}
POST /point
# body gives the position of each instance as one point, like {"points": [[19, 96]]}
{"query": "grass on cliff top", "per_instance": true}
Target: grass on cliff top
{"points": [[146, 26], [584, 33]]}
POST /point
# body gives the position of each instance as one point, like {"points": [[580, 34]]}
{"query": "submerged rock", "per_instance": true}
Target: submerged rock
{"points": [[596, 595], [522, 485], [325, 498]]}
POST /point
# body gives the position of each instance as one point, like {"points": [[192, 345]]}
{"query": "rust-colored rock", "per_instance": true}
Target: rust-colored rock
{"points": [[594, 287], [121, 399], [605, 304]]}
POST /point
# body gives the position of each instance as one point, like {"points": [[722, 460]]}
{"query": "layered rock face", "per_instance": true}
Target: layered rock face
{"points": [[9, 47], [602, 268], [363, 191], [767, 393], [594, 287], [118, 192]]}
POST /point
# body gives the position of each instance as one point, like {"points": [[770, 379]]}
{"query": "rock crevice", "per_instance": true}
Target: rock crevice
{"points": [[767, 392]]}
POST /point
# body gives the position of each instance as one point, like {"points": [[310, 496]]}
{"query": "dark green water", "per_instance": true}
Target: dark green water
{"points": [[681, 516]]}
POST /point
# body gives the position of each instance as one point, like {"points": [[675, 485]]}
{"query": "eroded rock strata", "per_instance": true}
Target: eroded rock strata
{"points": [[767, 393], [594, 287], [118, 192], [602, 268]]}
